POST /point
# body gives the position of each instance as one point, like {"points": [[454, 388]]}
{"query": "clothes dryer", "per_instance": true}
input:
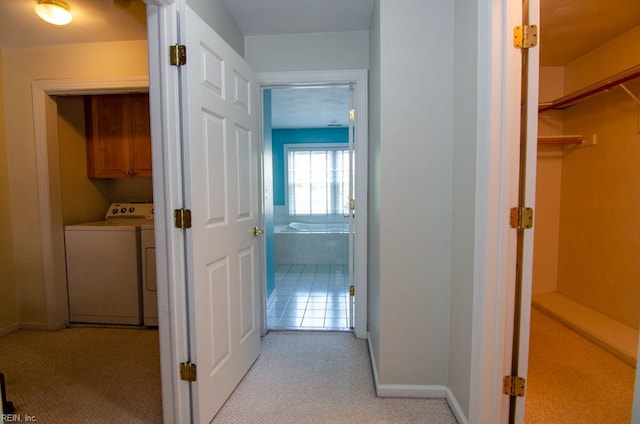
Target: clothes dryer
{"points": [[104, 266]]}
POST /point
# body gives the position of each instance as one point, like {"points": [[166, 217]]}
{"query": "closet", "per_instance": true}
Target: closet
{"points": [[587, 240]]}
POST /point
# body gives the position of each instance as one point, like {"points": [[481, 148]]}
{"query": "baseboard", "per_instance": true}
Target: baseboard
{"points": [[617, 338], [455, 408], [9, 329], [415, 390], [34, 326]]}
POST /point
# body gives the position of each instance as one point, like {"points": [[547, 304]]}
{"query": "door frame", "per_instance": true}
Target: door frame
{"points": [[359, 79], [162, 31], [497, 175], [48, 181]]}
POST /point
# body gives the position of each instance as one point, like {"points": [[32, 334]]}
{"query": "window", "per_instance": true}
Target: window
{"points": [[317, 179]]}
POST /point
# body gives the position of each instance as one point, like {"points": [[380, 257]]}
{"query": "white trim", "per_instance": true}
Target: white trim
{"points": [[422, 391], [35, 326], [494, 243], [49, 203], [162, 28], [7, 329], [402, 390], [415, 390], [361, 87], [455, 407]]}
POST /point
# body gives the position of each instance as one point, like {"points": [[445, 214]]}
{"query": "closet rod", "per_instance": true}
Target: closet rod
{"points": [[561, 139], [606, 84]]}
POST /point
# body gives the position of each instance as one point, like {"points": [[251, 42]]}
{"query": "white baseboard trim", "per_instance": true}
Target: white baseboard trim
{"points": [[455, 408], [34, 326], [9, 329], [415, 390]]}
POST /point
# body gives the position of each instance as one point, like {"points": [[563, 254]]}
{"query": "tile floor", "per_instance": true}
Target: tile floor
{"points": [[310, 297]]}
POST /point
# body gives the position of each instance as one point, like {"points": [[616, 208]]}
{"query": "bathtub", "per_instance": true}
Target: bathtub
{"points": [[311, 243], [315, 228]]}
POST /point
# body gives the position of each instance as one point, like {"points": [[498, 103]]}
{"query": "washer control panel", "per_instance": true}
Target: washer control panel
{"points": [[130, 210]]}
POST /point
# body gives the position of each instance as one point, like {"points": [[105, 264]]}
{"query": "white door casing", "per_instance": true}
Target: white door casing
{"points": [[220, 146], [532, 71], [360, 98]]}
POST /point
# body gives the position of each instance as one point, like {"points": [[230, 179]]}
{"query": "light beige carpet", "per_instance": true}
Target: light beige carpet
{"points": [[84, 375], [572, 380], [318, 377], [103, 375]]}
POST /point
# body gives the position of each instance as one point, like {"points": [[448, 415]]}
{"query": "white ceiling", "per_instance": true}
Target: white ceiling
{"points": [[93, 21], [310, 107], [568, 28], [261, 17]]}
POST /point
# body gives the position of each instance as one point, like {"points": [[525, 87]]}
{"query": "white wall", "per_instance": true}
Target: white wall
{"points": [[465, 135], [300, 52], [217, 16], [411, 192], [373, 220], [21, 66]]}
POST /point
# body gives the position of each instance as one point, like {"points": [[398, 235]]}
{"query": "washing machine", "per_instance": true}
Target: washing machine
{"points": [[149, 286], [104, 267]]}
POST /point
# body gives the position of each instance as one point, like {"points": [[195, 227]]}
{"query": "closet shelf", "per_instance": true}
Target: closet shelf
{"points": [[606, 84], [561, 139]]}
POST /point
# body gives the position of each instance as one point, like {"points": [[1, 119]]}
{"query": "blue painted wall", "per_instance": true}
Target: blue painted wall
{"points": [[280, 137], [268, 184]]}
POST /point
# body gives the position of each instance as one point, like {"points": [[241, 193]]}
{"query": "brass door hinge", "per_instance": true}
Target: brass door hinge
{"points": [[352, 115], [513, 385], [521, 218], [182, 218], [352, 204], [525, 36], [188, 371], [178, 55], [352, 290]]}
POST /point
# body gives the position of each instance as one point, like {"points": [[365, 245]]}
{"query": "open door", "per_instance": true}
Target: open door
{"points": [[526, 41], [219, 104]]}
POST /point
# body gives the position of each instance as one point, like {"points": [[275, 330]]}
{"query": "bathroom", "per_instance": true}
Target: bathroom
{"points": [[308, 186]]}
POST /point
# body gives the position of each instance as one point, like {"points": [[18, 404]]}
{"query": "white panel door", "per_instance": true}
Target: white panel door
{"points": [[220, 142]]}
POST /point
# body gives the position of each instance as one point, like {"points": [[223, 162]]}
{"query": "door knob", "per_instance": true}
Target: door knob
{"points": [[257, 231]]}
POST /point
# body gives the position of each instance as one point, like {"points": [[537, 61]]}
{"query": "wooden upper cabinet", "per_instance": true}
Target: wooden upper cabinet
{"points": [[118, 136]]}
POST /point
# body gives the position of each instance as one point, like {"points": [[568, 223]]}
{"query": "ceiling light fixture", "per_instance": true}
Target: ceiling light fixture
{"points": [[55, 12]]}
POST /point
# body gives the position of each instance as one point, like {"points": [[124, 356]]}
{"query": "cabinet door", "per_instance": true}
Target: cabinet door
{"points": [[140, 154], [108, 128]]}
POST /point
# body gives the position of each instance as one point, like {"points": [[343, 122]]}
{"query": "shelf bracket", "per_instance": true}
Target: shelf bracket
{"points": [[633, 96], [624, 87]]}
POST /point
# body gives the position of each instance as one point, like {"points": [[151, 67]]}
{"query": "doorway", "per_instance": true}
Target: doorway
{"points": [[340, 267], [52, 98], [584, 292], [309, 153]]}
